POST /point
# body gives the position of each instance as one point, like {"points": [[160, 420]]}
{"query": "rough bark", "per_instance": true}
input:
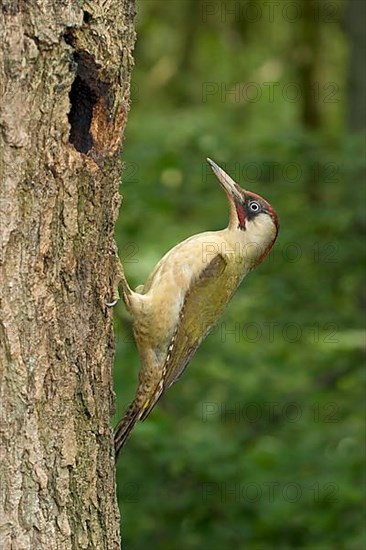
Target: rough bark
{"points": [[64, 88]]}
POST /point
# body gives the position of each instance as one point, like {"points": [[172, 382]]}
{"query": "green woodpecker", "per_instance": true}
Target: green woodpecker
{"points": [[187, 292]]}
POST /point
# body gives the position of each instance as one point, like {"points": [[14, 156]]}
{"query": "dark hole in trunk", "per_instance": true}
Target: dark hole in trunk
{"points": [[86, 91]]}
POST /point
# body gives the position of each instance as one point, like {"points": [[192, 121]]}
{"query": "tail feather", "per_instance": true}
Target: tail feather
{"points": [[125, 426]]}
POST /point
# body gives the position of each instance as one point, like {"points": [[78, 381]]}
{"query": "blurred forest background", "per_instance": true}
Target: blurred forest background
{"points": [[260, 443]]}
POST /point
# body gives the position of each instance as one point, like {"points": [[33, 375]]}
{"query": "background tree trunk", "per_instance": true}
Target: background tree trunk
{"points": [[309, 72], [355, 27], [62, 66]]}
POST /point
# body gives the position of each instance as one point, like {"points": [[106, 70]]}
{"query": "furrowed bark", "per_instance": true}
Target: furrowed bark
{"points": [[64, 87]]}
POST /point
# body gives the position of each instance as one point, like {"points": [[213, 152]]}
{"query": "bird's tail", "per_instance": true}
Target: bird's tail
{"points": [[125, 426]]}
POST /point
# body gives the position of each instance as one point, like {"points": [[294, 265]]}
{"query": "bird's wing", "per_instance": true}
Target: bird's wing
{"points": [[203, 305]]}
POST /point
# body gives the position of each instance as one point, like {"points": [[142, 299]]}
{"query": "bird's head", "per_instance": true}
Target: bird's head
{"points": [[249, 213]]}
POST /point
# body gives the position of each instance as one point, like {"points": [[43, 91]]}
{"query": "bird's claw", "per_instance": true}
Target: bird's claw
{"points": [[118, 276], [119, 281]]}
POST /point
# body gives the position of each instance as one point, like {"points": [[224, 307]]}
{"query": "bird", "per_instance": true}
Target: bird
{"points": [[187, 292]]}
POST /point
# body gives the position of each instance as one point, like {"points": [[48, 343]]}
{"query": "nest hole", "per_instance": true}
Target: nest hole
{"points": [[86, 94]]}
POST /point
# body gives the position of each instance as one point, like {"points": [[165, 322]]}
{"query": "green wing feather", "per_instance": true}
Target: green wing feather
{"points": [[203, 305]]}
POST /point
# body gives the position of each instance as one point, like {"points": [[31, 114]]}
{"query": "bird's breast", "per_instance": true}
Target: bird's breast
{"points": [[166, 288]]}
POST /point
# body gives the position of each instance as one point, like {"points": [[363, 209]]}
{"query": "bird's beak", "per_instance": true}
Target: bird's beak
{"points": [[233, 191]]}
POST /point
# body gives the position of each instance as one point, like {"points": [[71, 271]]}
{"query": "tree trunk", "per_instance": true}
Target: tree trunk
{"points": [[308, 64], [355, 27], [64, 81]]}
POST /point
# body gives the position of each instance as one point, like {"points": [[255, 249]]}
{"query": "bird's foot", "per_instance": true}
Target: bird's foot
{"points": [[119, 280]]}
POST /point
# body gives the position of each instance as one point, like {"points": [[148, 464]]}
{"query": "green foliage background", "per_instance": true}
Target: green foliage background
{"points": [[260, 443]]}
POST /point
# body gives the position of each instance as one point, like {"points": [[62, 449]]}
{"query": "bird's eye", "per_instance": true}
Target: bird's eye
{"points": [[254, 206]]}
